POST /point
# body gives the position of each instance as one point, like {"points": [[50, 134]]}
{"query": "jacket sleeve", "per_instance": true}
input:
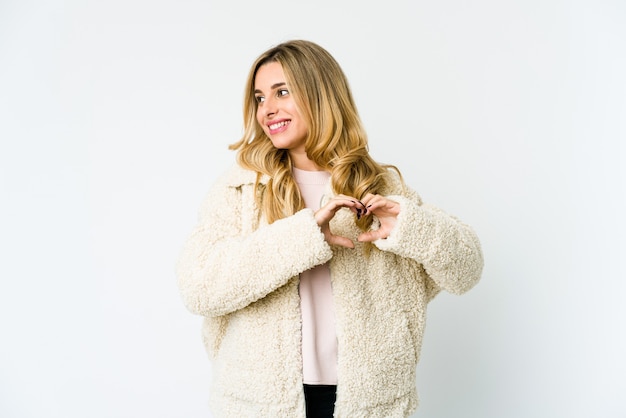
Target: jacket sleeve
{"points": [[448, 249], [222, 269]]}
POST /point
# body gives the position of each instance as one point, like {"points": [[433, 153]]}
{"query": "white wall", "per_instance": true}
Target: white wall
{"points": [[115, 117]]}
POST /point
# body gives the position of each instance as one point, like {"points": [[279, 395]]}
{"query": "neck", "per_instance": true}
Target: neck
{"points": [[302, 161]]}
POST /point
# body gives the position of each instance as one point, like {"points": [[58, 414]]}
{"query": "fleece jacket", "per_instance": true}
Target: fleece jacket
{"points": [[241, 274]]}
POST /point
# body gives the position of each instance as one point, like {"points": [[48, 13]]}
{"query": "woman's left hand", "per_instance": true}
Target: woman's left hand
{"points": [[387, 213]]}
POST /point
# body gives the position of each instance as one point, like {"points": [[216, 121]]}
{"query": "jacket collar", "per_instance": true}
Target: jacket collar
{"points": [[238, 176]]}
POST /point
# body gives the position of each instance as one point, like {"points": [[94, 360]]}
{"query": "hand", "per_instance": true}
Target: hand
{"points": [[324, 215], [387, 213]]}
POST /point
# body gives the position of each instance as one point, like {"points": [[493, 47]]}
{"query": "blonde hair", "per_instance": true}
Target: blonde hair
{"points": [[336, 139]]}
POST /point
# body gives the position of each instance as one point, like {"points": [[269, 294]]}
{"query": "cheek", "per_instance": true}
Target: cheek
{"points": [[295, 112], [259, 119]]}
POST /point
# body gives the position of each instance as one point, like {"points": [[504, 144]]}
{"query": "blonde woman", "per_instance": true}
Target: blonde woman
{"points": [[312, 264]]}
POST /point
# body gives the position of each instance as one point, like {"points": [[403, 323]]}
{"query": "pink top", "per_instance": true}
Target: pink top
{"points": [[319, 341]]}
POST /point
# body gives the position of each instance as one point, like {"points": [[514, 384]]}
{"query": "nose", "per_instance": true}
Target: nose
{"points": [[270, 107]]}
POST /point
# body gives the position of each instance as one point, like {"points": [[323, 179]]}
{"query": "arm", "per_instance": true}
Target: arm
{"points": [[221, 269], [448, 249]]}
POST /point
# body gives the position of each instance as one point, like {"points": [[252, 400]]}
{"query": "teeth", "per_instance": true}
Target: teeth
{"points": [[278, 125]]}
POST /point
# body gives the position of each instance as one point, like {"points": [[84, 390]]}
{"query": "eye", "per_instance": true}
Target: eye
{"points": [[282, 92], [259, 99]]}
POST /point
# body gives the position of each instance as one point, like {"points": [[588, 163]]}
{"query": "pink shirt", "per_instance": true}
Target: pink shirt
{"points": [[319, 341]]}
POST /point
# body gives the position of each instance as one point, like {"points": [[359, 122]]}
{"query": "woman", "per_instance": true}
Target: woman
{"points": [[312, 264]]}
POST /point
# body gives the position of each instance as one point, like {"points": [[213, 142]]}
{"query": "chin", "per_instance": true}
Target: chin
{"points": [[280, 144]]}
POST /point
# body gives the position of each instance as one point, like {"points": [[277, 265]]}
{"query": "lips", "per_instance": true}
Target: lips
{"points": [[278, 126]]}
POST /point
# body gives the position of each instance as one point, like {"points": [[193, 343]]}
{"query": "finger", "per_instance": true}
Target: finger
{"points": [[367, 199], [350, 203], [343, 202], [370, 236], [384, 206], [370, 200], [328, 211], [340, 241]]}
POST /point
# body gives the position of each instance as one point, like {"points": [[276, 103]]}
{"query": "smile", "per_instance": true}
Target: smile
{"points": [[276, 126], [279, 126]]}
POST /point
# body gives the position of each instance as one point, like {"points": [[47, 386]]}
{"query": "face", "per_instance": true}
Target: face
{"points": [[277, 112]]}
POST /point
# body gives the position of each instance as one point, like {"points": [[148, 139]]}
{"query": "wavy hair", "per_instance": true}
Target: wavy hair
{"points": [[336, 140]]}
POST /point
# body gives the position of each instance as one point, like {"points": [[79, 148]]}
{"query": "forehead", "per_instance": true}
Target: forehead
{"points": [[268, 75]]}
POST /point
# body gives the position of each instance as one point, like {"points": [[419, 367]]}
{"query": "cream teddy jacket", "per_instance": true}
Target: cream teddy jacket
{"points": [[241, 275]]}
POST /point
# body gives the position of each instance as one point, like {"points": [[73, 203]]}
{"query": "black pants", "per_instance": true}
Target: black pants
{"points": [[320, 400]]}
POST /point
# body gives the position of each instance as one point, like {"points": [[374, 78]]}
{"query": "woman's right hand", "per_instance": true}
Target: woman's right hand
{"points": [[324, 215]]}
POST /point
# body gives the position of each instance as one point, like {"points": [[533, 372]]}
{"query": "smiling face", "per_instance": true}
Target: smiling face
{"points": [[277, 112]]}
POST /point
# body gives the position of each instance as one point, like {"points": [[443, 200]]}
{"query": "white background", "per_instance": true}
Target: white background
{"points": [[115, 118]]}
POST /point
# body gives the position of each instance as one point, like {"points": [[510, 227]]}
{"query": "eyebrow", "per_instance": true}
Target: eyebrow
{"points": [[273, 87]]}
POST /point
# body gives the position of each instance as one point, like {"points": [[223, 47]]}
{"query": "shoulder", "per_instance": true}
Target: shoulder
{"points": [[394, 181], [396, 186], [237, 176], [394, 178], [224, 194]]}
